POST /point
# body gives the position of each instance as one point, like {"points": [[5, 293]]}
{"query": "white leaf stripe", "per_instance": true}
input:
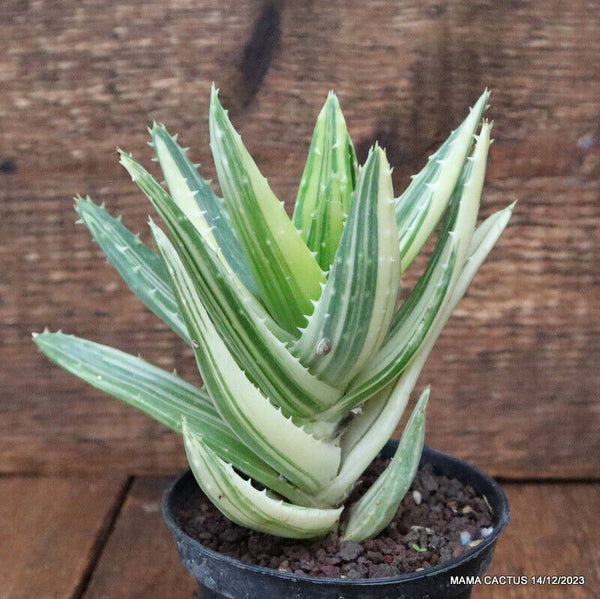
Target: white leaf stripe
{"points": [[358, 300], [472, 187], [247, 506], [495, 223], [257, 342], [138, 265], [261, 426], [482, 243], [364, 418], [283, 267]]}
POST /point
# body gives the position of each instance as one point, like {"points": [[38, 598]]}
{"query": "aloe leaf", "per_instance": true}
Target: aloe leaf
{"points": [[194, 195], [286, 273], [381, 425], [421, 206], [261, 426], [482, 243], [329, 177], [363, 419], [419, 312], [405, 339], [378, 506], [249, 332], [201, 243], [469, 191], [245, 505], [351, 318], [139, 266], [160, 394], [367, 438], [484, 239], [459, 223], [486, 232]]}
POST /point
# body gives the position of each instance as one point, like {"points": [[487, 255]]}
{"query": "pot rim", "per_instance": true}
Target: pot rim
{"points": [[503, 512]]}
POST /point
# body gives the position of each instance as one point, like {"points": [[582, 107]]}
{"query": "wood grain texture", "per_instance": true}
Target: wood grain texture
{"points": [[515, 377], [140, 558], [554, 530], [50, 530]]}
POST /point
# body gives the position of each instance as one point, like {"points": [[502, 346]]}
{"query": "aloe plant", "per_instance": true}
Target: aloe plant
{"points": [[308, 358]]}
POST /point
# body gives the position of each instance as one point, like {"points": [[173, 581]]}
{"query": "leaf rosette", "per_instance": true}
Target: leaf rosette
{"points": [[308, 358]]}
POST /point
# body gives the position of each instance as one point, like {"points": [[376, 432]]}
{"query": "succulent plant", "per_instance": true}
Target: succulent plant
{"points": [[307, 355]]}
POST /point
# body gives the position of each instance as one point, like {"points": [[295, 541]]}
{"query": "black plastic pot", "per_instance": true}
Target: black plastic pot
{"points": [[219, 576]]}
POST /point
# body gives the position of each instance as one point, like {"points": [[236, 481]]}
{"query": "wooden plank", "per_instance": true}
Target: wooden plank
{"points": [[554, 531], [494, 360], [521, 356], [511, 354], [140, 558], [50, 529]]}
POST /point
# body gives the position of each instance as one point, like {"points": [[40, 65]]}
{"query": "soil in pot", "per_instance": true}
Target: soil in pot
{"points": [[439, 519]]}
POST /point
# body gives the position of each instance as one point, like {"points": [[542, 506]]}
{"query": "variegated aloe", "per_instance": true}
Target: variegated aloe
{"points": [[307, 359]]}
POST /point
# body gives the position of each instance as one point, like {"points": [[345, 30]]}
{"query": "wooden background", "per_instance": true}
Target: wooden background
{"points": [[515, 377]]}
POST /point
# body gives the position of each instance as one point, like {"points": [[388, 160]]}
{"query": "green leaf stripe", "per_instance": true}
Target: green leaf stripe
{"points": [[327, 225]]}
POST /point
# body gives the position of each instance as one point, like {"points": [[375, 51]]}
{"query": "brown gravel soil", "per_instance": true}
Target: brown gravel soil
{"points": [[439, 519]]}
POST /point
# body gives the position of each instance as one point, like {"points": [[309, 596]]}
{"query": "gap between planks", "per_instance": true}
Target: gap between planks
{"points": [[103, 536], [552, 531]]}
